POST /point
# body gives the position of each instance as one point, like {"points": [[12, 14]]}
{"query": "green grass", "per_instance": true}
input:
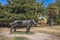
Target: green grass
{"points": [[22, 32], [20, 38], [13, 38]]}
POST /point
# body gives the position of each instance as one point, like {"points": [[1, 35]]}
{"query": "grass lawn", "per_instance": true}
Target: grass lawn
{"points": [[22, 32], [20, 38], [54, 30], [13, 38]]}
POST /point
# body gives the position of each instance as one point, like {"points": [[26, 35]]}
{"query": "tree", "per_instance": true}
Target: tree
{"points": [[58, 16], [20, 10], [26, 7], [58, 2], [53, 12]]}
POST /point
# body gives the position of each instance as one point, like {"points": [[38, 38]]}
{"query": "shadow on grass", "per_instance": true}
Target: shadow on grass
{"points": [[22, 32]]}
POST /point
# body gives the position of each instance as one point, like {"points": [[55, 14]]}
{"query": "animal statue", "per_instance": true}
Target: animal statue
{"points": [[22, 23]]}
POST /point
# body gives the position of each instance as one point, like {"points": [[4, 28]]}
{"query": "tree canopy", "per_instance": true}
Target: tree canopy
{"points": [[27, 10], [21, 10]]}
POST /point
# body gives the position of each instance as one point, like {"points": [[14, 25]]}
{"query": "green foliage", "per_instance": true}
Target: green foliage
{"points": [[21, 10], [58, 2], [53, 13], [58, 19]]}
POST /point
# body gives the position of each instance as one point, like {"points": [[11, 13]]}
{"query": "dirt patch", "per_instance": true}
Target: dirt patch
{"points": [[5, 38]]}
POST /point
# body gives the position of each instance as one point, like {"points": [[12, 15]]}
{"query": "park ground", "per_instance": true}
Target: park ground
{"points": [[40, 33]]}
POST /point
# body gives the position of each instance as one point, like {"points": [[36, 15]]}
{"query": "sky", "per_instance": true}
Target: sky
{"points": [[3, 2], [46, 2]]}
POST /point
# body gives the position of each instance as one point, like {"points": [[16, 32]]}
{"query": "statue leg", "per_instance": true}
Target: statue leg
{"points": [[14, 29], [11, 29], [27, 28]]}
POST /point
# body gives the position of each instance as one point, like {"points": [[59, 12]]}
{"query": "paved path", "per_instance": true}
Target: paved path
{"points": [[36, 36]]}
